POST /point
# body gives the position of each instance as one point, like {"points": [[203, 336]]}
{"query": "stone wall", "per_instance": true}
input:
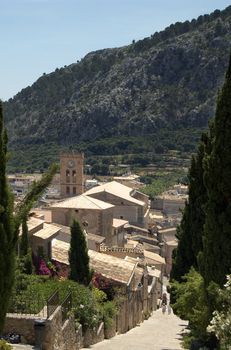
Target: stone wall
{"points": [[99, 221], [21, 324], [93, 336]]}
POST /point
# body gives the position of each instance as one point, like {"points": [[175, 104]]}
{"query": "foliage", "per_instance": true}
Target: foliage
{"points": [[190, 230], [191, 303], [10, 220], [109, 313], [90, 306], [78, 256], [161, 182], [221, 321], [26, 263], [4, 345], [216, 257], [109, 287], [8, 235], [23, 247]]}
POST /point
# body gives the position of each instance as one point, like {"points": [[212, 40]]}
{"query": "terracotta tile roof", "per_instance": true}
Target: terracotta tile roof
{"points": [[118, 222], [82, 202], [60, 251], [95, 238], [172, 243], [48, 231], [153, 258], [108, 266], [117, 189], [111, 267]]}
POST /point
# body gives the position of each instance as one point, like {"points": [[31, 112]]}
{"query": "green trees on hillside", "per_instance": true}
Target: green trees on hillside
{"points": [[10, 220], [78, 256]]}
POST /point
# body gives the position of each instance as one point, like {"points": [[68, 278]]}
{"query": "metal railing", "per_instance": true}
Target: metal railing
{"points": [[66, 307], [35, 305], [52, 303], [27, 305]]}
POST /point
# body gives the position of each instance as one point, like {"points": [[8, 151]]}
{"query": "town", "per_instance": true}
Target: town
{"points": [[130, 240]]}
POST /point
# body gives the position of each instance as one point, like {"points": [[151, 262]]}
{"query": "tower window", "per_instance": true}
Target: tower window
{"points": [[67, 176], [74, 176]]}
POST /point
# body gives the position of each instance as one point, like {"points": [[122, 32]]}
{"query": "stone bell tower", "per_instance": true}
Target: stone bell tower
{"points": [[71, 174]]}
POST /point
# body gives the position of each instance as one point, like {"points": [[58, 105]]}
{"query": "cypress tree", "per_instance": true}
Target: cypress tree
{"points": [[7, 229], [216, 257], [190, 230], [24, 243], [78, 256], [9, 222]]}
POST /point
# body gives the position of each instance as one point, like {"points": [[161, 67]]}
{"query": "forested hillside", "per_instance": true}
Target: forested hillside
{"points": [[155, 86]]}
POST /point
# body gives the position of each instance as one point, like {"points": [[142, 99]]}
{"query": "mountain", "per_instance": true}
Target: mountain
{"points": [[168, 81]]}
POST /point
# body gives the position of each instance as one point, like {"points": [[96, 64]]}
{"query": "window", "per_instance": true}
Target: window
{"points": [[67, 176], [121, 217], [74, 190], [74, 176], [67, 190]]}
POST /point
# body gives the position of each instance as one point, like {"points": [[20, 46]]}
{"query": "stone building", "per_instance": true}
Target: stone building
{"points": [[71, 174], [94, 216], [169, 246], [40, 235], [129, 204]]}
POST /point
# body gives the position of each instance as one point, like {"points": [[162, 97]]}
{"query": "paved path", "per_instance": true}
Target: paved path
{"points": [[159, 332]]}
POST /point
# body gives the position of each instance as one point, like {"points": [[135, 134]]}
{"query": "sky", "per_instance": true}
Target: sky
{"points": [[38, 36]]}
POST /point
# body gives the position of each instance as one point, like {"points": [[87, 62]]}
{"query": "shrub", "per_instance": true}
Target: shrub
{"points": [[4, 345]]}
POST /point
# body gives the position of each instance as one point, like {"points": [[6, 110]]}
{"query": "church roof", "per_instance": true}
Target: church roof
{"points": [[117, 189], [82, 202]]}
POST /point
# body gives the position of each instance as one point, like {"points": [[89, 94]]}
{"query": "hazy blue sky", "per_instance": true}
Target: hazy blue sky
{"points": [[38, 36]]}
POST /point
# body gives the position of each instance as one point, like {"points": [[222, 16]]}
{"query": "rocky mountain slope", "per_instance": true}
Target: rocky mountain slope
{"points": [[169, 80]]}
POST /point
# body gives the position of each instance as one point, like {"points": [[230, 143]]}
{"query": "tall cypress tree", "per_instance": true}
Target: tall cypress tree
{"points": [[78, 256], [9, 222], [189, 232], [24, 243], [216, 257], [7, 229]]}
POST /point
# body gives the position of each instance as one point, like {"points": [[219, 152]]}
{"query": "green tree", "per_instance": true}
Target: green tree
{"points": [[10, 220], [216, 257], [190, 230], [78, 256], [191, 302], [221, 321], [23, 248]]}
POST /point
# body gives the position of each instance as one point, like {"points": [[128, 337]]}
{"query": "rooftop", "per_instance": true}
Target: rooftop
{"points": [[167, 230], [117, 189], [83, 202], [172, 243], [153, 258], [119, 222], [47, 232], [109, 266]]}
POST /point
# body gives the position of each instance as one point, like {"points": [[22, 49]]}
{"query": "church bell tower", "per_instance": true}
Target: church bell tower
{"points": [[71, 174]]}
